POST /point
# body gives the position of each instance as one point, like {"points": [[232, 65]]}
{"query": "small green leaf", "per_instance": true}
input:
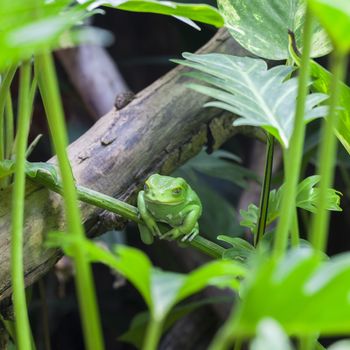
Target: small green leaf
{"points": [[197, 12], [261, 26], [334, 15], [7, 167], [260, 96], [241, 249], [307, 199]]}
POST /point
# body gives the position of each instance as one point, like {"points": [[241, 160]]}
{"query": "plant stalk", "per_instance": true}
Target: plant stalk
{"points": [[84, 280], [23, 333], [265, 194], [295, 151], [327, 155], [153, 334]]}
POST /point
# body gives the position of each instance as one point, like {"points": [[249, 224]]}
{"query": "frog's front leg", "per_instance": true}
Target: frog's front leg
{"points": [[150, 228], [189, 228]]}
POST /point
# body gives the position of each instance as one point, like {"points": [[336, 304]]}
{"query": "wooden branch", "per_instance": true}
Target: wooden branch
{"points": [[158, 131]]}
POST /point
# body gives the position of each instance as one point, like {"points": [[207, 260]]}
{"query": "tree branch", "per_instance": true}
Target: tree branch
{"points": [[159, 130]]}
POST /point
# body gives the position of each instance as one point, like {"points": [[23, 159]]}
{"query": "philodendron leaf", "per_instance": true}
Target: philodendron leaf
{"points": [[185, 12], [260, 96], [270, 335], [305, 296], [161, 290], [261, 26], [335, 17], [307, 199]]}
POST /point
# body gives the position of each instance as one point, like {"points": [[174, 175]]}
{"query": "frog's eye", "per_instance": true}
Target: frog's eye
{"points": [[176, 191], [146, 188]]}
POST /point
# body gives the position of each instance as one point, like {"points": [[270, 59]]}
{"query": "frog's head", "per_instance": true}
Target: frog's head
{"points": [[165, 190]]}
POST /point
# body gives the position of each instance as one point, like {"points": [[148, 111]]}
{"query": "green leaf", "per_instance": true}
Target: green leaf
{"points": [[7, 167], [334, 15], [23, 34], [161, 290], [241, 249], [215, 165], [322, 83], [293, 291], [197, 12], [270, 336], [261, 26], [245, 86], [307, 199], [307, 195]]}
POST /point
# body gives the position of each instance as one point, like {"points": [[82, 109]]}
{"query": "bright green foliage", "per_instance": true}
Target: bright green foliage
{"points": [[261, 26], [294, 290], [245, 86], [307, 197], [270, 336], [322, 83], [161, 290], [27, 27], [334, 15], [197, 12]]}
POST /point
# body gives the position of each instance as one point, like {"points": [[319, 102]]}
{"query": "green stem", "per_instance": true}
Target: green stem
{"points": [[9, 127], [295, 152], [153, 334], [327, 155], [265, 194], [23, 334], [295, 235], [4, 90], [84, 280]]}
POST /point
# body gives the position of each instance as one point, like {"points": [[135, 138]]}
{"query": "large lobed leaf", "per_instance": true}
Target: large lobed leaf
{"points": [[305, 296], [261, 26], [245, 86]]}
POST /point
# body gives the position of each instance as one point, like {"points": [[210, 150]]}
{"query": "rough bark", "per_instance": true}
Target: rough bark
{"points": [[158, 131]]}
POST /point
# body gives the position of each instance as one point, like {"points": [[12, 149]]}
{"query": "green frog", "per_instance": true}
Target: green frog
{"points": [[172, 201]]}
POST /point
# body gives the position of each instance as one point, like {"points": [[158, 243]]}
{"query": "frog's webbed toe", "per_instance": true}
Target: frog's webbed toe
{"points": [[190, 236]]}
